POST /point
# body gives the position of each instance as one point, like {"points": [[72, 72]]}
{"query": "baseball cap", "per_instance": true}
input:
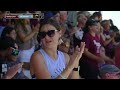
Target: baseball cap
{"points": [[108, 68], [91, 22], [48, 15]]}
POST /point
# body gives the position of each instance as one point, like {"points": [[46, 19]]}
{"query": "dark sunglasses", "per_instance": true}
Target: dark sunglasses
{"points": [[50, 33], [15, 52]]}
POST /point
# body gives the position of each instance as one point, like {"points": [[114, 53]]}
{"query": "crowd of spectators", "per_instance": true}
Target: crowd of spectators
{"points": [[60, 45]]}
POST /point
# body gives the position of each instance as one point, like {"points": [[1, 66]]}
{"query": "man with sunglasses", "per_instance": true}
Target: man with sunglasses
{"points": [[8, 57]]}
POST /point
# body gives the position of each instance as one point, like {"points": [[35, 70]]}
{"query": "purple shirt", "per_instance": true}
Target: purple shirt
{"points": [[93, 45]]}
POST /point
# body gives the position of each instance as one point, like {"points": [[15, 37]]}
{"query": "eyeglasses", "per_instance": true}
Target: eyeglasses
{"points": [[50, 33], [15, 52]]}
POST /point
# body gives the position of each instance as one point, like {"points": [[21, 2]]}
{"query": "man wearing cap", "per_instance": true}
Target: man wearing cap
{"points": [[109, 72]]}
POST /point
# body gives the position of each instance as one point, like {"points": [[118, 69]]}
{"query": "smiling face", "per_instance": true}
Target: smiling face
{"points": [[49, 40]]}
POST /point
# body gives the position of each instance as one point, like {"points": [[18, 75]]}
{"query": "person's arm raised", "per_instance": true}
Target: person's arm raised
{"points": [[40, 69], [27, 37], [73, 63], [78, 52]]}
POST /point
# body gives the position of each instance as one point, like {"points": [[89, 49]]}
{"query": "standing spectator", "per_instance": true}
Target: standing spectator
{"points": [[109, 38], [72, 18], [89, 66], [65, 32], [97, 16], [115, 29], [78, 36], [35, 23], [86, 13], [102, 49], [25, 40], [56, 16]]}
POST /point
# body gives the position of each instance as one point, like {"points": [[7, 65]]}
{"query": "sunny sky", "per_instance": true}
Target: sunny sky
{"points": [[114, 15]]}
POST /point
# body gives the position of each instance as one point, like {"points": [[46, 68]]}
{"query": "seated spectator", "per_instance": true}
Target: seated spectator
{"points": [[109, 72], [50, 63], [8, 55]]}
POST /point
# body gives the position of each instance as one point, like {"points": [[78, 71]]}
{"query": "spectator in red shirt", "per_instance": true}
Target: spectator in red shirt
{"points": [[89, 66]]}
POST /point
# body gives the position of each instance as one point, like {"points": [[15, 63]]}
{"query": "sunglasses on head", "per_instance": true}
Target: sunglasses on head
{"points": [[15, 52], [50, 33]]}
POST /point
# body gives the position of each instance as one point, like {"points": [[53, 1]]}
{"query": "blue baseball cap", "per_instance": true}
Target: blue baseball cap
{"points": [[108, 68], [48, 15]]}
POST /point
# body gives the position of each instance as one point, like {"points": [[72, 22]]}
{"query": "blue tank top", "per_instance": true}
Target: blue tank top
{"points": [[55, 67]]}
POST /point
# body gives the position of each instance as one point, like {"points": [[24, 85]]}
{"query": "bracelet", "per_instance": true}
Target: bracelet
{"points": [[62, 77]]}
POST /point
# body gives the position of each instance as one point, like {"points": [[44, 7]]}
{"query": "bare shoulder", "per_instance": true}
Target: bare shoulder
{"points": [[36, 53], [67, 57], [38, 66], [36, 56]]}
